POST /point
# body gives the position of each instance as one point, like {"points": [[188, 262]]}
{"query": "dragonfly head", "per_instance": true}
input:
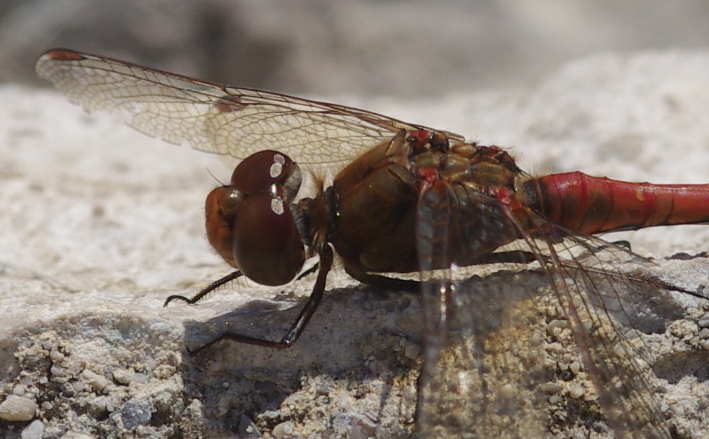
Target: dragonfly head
{"points": [[250, 223]]}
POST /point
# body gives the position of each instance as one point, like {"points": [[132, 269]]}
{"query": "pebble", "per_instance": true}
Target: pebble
{"points": [[283, 429], [19, 390], [122, 376], [575, 367], [75, 435], [56, 370], [412, 351], [508, 391], [77, 386], [683, 329], [577, 391], [56, 356], [17, 408], [703, 323], [96, 381], [343, 401], [134, 412], [33, 431]]}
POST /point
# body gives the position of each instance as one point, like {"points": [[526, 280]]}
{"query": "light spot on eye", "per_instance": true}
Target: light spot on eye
{"points": [[277, 166], [277, 206]]}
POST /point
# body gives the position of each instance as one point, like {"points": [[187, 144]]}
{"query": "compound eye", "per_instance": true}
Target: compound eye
{"points": [[262, 171], [267, 246]]}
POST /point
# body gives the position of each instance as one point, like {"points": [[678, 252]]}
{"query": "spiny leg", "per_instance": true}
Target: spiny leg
{"points": [[300, 322], [206, 290]]}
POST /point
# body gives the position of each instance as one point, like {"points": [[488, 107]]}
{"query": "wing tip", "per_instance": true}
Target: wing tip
{"points": [[44, 63], [60, 54]]}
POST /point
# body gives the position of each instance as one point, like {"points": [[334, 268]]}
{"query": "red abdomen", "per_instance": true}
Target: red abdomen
{"points": [[599, 204]]}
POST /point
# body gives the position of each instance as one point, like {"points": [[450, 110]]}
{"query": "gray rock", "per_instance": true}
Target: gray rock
{"points": [[98, 225]]}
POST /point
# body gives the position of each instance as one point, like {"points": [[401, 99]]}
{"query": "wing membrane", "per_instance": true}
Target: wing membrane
{"points": [[215, 118], [481, 369], [499, 347]]}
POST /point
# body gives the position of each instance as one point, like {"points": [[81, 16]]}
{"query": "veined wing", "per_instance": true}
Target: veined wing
{"points": [[469, 386], [497, 346], [602, 299], [216, 118]]}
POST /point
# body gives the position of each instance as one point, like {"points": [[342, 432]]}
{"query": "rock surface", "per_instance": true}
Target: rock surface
{"points": [[99, 224]]}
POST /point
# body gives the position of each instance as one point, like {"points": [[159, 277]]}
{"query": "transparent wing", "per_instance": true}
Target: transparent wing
{"points": [[606, 308], [482, 370], [534, 353], [216, 118]]}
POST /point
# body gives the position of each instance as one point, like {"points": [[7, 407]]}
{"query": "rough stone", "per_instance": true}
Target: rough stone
{"points": [[98, 225]]}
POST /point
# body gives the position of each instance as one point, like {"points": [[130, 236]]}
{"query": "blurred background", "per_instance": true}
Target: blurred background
{"points": [[412, 49]]}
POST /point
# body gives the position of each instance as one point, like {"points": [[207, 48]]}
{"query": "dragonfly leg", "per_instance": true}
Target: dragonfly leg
{"points": [[300, 322], [206, 290], [310, 270]]}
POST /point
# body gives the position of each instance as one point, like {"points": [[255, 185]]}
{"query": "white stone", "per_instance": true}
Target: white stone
{"points": [[17, 408]]}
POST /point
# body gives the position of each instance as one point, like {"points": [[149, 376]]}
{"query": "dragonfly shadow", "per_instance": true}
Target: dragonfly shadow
{"points": [[643, 306], [512, 345], [676, 366], [360, 344], [358, 359]]}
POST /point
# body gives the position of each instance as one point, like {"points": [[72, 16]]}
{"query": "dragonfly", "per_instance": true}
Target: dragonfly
{"points": [[394, 198]]}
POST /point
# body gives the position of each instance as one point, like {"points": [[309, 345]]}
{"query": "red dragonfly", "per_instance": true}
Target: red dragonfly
{"points": [[406, 198]]}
